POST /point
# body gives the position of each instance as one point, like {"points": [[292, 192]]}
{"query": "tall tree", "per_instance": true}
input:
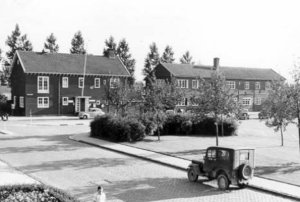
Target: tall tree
{"points": [[17, 42], [168, 55], [151, 61], [110, 45], [278, 107], [126, 58], [77, 44], [51, 44], [186, 58]]}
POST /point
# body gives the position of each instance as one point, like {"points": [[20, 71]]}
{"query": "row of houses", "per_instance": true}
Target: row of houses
{"points": [[63, 84]]}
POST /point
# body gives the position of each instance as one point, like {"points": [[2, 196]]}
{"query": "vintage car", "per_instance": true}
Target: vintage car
{"points": [[243, 114], [91, 113], [228, 165]]}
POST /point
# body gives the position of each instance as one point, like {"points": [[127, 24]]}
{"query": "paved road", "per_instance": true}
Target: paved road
{"points": [[45, 153]]}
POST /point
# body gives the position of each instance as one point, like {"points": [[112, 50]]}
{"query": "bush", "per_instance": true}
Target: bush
{"points": [[183, 124], [117, 129], [33, 193]]}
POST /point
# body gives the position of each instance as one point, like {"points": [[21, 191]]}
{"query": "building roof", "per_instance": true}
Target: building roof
{"points": [[245, 73], [62, 63]]}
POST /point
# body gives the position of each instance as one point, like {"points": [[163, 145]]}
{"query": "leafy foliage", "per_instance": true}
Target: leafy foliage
{"points": [[51, 44], [151, 61], [16, 41], [168, 55], [110, 45], [77, 44], [186, 58]]}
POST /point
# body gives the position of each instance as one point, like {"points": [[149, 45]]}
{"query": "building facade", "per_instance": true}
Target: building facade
{"points": [[250, 85], [62, 84]]}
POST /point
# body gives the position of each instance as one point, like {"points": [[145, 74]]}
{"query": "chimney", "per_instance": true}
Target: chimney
{"points": [[110, 53], [216, 63]]}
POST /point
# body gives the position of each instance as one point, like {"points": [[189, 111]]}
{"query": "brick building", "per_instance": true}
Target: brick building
{"points": [[250, 85], [62, 84]]}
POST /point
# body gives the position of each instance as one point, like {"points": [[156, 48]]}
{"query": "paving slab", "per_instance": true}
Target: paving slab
{"points": [[276, 187]]}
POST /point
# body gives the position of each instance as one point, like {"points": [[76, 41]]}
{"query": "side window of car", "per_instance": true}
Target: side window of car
{"points": [[223, 155], [211, 154]]}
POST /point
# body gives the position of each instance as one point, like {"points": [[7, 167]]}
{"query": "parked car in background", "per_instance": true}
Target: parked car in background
{"points": [[91, 113], [229, 165], [263, 115], [243, 114]]}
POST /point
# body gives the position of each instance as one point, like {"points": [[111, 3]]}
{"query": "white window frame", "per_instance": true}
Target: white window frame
{"points": [[42, 104], [230, 84], [195, 84], [183, 102], [15, 100], [183, 83], [257, 100], [246, 101], [268, 85], [247, 85], [43, 88], [257, 85], [65, 101], [97, 83], [21, 102], [112, 81], [80, 82], [65, 82]]}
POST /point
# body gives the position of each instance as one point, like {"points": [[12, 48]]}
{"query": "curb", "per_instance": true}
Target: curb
{"points": [[183, 169]]}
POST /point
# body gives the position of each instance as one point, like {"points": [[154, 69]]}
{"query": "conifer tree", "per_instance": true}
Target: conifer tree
{"points": [[17, 42], [110, 45], [151, 61], [186, 58], [51, 44], [77, 44], [126, 58], [168, 55]]}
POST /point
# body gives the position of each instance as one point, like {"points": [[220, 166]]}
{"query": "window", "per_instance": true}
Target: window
{"points": [[246, 101], [257, 101], [65, 82], [211, 154], [268, 85], [244, 156], [182, 83], [257, 85], [223, 155], [247, 85], [230, 84], [43, 102], [160, 81], [43, 84], [80, 82], [97, 82], [65, 101], [195, 84], [113, 82], [183, 102], [21, 102]]}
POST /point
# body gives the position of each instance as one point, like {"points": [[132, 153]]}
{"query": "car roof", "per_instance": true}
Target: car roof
{"points": [[231, 148]]}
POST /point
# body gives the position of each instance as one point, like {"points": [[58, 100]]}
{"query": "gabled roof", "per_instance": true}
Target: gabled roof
{"points": [[34, 62], [245, 73]]}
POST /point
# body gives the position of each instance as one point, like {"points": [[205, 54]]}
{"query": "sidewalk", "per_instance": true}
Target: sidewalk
{"points": [[272, 186], [10, 176], [28, 118]]}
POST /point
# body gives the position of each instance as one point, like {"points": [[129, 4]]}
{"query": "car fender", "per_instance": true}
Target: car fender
{"points": [[196, 168]]}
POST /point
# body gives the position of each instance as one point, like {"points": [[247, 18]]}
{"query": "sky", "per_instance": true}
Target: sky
{"points": [[242, 33]]}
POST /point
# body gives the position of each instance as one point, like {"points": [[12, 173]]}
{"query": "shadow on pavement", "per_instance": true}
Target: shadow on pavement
{"points": [[286, 168]]}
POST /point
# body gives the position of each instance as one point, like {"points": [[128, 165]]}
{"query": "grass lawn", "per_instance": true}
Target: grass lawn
{"points": [[272, 160]]}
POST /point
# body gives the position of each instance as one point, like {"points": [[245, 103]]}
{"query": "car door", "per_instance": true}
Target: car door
{"points": [[210, 160]]}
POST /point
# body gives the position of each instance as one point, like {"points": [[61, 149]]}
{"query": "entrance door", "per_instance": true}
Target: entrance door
{"points": [[82, 104]]}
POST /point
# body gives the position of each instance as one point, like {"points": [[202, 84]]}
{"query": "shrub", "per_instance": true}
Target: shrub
{"points": [[117, 129], [32, 193]]}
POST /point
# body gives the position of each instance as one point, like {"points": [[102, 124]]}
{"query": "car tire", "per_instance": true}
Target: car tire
{"points": [[85, 117], [4, 117], [192, 176], [245, 171], [223, 182]]}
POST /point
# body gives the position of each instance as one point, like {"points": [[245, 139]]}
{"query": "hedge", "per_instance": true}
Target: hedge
{"points": [[117, 129], [33, 193]]}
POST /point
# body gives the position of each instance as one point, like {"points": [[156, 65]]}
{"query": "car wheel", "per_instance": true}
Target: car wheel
{"points": [[193, 177], [241, 185], [4, 117], [223, 182], [245, 171], [85, 117]]}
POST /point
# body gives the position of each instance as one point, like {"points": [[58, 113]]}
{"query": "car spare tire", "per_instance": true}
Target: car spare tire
{"points": [[245, 171]]}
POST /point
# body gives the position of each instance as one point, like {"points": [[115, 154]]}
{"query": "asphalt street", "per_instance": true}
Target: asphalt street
{"points": [[43, 151]]}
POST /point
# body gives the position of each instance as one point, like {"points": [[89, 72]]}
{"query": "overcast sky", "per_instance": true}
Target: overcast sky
{"points": [[254, 33]]}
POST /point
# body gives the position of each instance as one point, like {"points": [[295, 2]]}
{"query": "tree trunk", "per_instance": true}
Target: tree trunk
{"points": [[217, 132], [222, 125], [281, 135], [298, 116]]}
